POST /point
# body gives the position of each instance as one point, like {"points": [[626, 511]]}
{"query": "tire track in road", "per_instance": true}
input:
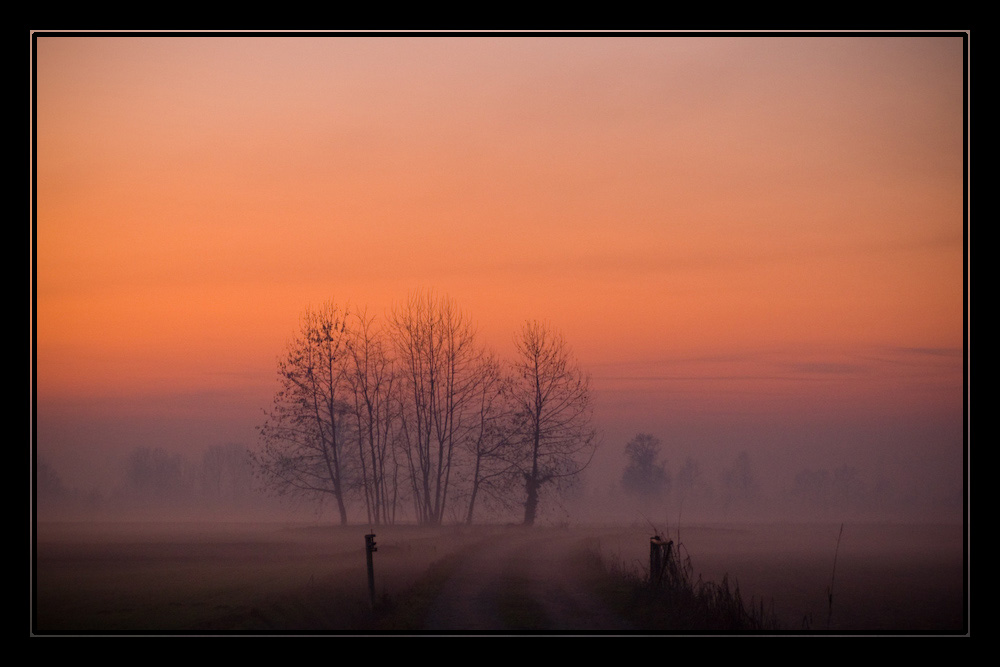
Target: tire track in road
{"points": [[522, 580]]}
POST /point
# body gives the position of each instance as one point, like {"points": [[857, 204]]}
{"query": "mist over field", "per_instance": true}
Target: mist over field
{"points": [[195, 546], [201, 544], [516, 303], [177, 487], [304, 577]]}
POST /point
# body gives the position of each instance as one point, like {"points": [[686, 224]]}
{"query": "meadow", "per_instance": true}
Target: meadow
{"points": [[295, 577]]}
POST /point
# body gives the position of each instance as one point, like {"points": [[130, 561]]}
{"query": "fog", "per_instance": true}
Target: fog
{"points": [[218, 483], [168, 507], [812, 452], [296, 572], [195, 536], [744, 257]]}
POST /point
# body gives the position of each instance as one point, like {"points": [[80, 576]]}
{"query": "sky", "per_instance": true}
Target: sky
{"points": [[750, 243]]}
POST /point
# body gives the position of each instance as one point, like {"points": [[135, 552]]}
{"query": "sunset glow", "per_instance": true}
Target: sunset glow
{"points": [[750, 243]]}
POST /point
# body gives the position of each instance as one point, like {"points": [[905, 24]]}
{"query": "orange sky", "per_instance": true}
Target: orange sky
{"points": [[783, 216]]}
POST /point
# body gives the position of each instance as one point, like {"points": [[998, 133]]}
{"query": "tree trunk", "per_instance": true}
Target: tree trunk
{"points": [[475, 490], [343, 510], [531, 504]]}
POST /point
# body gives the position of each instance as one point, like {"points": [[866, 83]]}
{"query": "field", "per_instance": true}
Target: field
{"points": [[215, 578]]}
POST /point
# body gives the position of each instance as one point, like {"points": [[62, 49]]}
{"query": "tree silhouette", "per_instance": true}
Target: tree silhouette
{"points": [[690, 482], [489, 440], [49, 487], [373, 380], [156, 477], [644, 476], [226, 475], [553, 413], [437, 361], [414, 413], [739, 482], [305, 436]]}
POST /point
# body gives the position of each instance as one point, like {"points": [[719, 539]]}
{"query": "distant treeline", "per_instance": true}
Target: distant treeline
{"points": [[220, 482], [153, 479], [649, 485]]}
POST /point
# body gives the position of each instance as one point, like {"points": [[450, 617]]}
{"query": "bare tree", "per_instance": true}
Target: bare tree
{"points": [[49, 487], [305, 436], [490, 439], [739, 482], [645, 476], [691, 482], [553, 412], [372, 377], [434, 343], [226, 475]]}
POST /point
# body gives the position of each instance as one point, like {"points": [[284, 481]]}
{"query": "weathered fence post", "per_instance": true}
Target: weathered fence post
{"points": [[659, 557], [369, 548]]}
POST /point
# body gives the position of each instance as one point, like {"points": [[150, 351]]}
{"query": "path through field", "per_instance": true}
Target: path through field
{"points": [[144, 577], [523, 580]]}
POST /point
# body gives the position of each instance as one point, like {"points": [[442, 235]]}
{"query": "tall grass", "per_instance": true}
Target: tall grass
{"points": [[829, 589], [674, 601]]}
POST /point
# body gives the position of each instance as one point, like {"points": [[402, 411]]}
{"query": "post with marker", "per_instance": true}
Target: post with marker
{"points": [[369, 549]]}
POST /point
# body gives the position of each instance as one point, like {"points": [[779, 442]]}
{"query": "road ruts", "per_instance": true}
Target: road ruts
{"points": [[522, 580]]}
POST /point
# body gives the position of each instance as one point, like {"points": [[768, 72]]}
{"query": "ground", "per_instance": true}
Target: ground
{"points": [[524, 580], [109, 578], [237, 578]]}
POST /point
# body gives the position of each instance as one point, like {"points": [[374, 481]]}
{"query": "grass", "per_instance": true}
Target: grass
{"points": [[518, 609], [671, 600], [408, 610], [679, 603], [313, 583]]}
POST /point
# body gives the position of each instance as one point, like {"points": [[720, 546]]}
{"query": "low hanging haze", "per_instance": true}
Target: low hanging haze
{"points": [[752, 243]]}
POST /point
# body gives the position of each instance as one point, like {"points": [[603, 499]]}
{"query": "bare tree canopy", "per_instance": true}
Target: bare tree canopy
{"points": [[553, 412], [491, 439], [413, 414], [306, 433], [435, 345], [371, 375]]}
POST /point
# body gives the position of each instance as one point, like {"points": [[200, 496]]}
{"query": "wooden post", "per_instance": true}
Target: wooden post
{"points": [[659, 554], [369, 548]]}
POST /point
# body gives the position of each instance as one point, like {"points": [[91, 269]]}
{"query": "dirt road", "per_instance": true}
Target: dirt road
{"points": [[523, 580]]}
